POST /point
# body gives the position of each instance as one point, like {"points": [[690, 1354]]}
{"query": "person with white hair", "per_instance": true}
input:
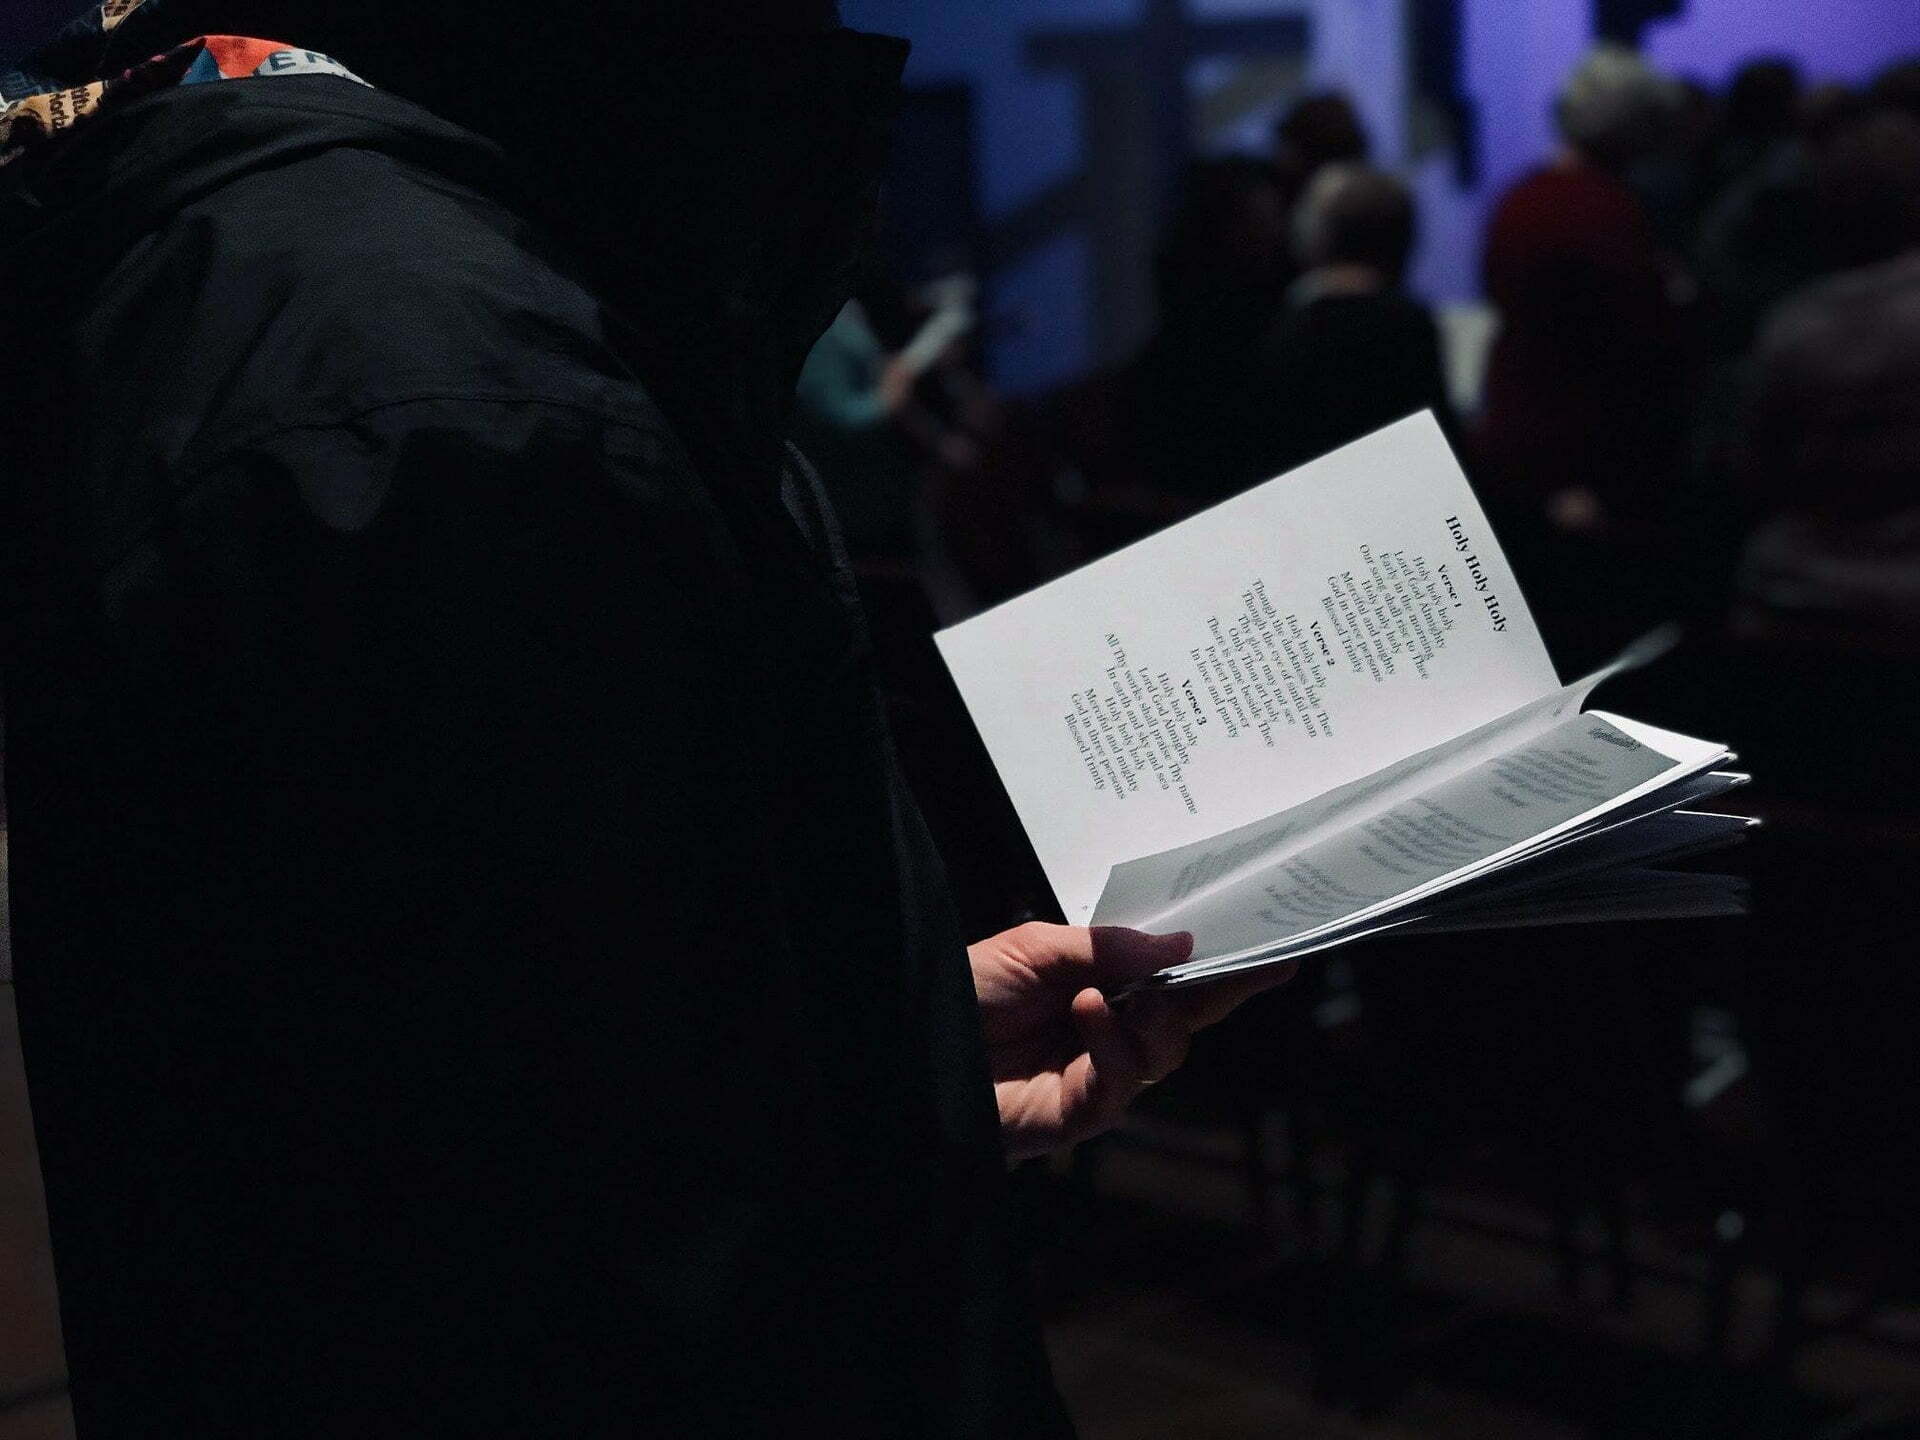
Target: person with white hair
{"points": [[1584, 415], [1352, 351], [1615, 108]]}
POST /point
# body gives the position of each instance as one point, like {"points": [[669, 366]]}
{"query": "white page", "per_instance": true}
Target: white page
{"points": [[1686, 792], [1611, 836], [1586, 859], [1639, 895], [1142, 894], [1470, 825], [1461, 895], [1489, 900], [1684, 775], [1296, 638]]}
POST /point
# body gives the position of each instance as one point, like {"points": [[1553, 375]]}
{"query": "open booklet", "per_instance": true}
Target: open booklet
{"points": [[1322, 711]]}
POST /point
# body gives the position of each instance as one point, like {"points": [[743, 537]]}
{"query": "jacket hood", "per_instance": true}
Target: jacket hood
{"points": [[70, 209], [719, 198], [724, 200]]}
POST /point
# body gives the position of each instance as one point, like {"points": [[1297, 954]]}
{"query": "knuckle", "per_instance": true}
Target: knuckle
{"points": [[1033, 932]]}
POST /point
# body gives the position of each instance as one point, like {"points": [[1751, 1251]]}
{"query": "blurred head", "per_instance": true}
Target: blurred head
{"points": [[1615, 108], [1229, 234], [1696, 112], [1898, 88], [1868, 183], [1320, 130], [1763, 99], [1826, 110], [1355, 215]]}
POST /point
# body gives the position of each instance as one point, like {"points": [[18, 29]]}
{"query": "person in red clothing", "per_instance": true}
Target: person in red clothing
{"points": [[1583, 404]]}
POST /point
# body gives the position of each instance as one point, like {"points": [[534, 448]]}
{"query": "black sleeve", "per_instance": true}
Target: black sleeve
{"points": [[397, 886]]}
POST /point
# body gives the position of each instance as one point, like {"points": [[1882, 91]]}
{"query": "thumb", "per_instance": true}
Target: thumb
{"points": [[1097, 1087]]}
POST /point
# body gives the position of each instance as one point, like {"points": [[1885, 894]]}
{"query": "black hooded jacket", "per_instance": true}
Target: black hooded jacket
{"points": [[479, 970]]}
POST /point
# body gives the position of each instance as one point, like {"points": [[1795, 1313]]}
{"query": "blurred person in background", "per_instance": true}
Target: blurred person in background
{"points": [[1762, 241], [1672, 180], [1758, 116], [1832, 452], [1580, 439], [1203, 421], [858, 418], [1319, 130], [1192, 419], [1584, 392], [1353, 352], [1814, 672], [1831, 107], [1897, 88], [1756, 240]]}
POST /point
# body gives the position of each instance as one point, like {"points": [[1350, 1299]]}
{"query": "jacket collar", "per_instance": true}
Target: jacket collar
{"points": [[720, 203]]}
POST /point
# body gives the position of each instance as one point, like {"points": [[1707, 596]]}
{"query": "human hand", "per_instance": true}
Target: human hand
{"points": [[898, 379], [1065, 1061]]}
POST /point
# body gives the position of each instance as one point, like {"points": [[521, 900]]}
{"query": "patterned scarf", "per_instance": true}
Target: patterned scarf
{"points": [[35, 110]]}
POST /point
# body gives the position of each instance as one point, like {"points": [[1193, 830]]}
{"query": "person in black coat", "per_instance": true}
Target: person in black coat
{"points": [[479, 969], [1353, 351]]}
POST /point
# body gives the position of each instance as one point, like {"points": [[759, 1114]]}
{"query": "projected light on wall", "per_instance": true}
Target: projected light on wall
{"points": [[1083, 108]]}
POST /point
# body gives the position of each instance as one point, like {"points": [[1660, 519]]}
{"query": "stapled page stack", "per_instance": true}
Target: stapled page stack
{"points": [[1322, 711]]}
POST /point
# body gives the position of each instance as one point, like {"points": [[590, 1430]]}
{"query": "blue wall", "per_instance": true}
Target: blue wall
{"points": [[1030, 141], [1833, 39], [1515, 55]]}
